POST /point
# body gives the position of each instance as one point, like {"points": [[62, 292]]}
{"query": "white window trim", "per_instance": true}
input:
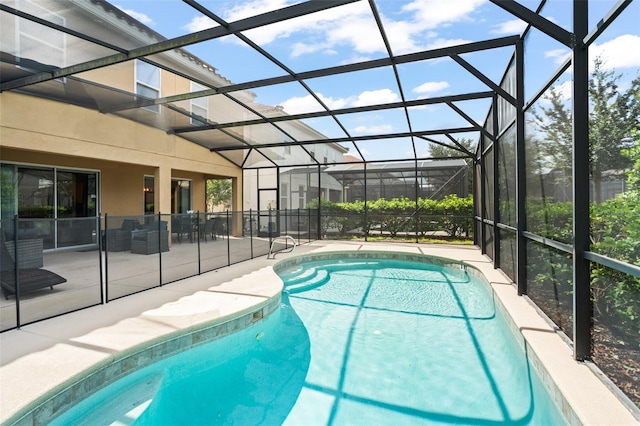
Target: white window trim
{"points": [[195, 87], [152, 108]]}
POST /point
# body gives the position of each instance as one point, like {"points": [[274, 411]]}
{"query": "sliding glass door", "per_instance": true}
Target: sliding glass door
{"points": [[56, 205]]}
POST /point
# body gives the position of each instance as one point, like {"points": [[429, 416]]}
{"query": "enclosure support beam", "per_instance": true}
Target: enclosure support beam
{"points": [[496, 185], [416, 192], [319, 201], [546, 26], [483, 196], [521, 253], [581, 233], [366, 205], [269, 18]]}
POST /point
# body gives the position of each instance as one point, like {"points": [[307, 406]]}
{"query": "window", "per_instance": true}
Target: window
{"points": [[284, 195], [199, 106], [37, 41], [287, 148], [76, 194], [301, 201], [61, 204], [149, 203], [148, 83]]}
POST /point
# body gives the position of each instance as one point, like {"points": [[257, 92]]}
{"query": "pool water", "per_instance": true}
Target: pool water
{"points": [[361, 341]]}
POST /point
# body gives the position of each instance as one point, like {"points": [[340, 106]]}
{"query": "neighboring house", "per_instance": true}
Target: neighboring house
{"points": [[294, 185], [555, 184], [435, 180]]}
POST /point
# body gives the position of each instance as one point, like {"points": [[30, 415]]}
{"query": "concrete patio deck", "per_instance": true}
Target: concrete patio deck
{"points": [[40, 358]]}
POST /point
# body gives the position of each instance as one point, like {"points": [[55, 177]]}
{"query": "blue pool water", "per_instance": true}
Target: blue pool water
{"points": [[362, 341]]}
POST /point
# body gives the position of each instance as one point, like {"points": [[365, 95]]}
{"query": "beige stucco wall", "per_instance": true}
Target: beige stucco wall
{"points": [[40, 131]]}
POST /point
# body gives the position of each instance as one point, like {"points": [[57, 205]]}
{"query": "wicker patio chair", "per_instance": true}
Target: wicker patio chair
{"points": [[145, 241], [29, 279], [120, 239]]}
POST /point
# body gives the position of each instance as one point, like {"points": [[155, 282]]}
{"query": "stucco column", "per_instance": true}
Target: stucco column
{"points": [[162, 189], [236, 197]]}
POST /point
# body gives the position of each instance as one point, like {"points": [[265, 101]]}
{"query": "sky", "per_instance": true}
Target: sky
{"points": [[348, 34]]}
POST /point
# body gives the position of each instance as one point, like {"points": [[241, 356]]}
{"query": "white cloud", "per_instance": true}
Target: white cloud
{"points": [[558, 55], [200, 23], [352, 25], [349, 31], [145, 19], [615, 53], [252, 8], [299, 49], [435, 13], [303, 104], [431, 87], [402, 35], [443, 42], [618, 53], [332, 26], [374, 97], [514, 26], [372, 130]]}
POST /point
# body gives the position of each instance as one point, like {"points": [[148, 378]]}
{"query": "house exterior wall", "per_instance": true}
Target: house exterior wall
{"points": [[39, 131]]}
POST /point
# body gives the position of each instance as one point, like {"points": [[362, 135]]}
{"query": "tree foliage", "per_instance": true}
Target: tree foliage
{"points": [[615, 233], [615, 112], [440, 151], [218, 193], [633, 172]]}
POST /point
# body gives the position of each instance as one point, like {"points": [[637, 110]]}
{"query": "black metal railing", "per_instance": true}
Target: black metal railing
{"points": [[63, 265]]}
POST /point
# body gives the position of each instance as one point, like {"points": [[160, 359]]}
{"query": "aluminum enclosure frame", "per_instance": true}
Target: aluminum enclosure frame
{"points": [[488, 134]]}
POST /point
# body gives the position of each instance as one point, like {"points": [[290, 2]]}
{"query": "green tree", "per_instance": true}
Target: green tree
{"points": [[555, 123], [218, 192], [633, 172], [440, 151], [614, 114]]}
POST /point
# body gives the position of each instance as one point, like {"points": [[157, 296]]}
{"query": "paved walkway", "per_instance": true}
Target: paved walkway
{"points": [[40, 358]]}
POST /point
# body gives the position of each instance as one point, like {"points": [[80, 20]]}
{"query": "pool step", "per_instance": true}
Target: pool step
{"points": [[319, 278], [298, 277]]}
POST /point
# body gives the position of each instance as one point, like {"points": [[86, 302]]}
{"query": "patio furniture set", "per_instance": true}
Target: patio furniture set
{"points": [[133, 236], [149, 238]]}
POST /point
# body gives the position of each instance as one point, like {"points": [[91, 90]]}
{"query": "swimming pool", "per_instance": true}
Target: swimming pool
{"points": [[375, 341]]}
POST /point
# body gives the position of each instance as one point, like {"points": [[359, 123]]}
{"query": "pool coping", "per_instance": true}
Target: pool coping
{"points": [[539, 367], [29, 380], [580, 393], [99, 358]]}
